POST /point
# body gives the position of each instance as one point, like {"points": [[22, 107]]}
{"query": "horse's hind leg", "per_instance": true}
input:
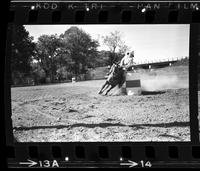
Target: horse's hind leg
{"points": [[109, 89], [101, 91]]}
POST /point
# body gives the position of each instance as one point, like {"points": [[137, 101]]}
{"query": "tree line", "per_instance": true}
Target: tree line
{"points": [[56, 58]]}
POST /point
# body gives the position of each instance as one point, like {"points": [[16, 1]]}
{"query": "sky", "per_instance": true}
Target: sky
{"points": [[149, 42]]}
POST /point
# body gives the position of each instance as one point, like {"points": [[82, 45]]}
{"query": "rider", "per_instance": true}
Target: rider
{"points": [[127, 61]]}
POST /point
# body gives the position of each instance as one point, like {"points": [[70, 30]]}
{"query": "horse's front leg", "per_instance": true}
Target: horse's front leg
{"points": [[101, 91], [109, 89]]}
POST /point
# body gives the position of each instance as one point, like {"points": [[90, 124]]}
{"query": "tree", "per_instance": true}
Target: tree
{"points": [[103, 58], [115, 43], [67, 54], [22, 51], [81, 48], [123, 48], [48, 51], [38, 73]]}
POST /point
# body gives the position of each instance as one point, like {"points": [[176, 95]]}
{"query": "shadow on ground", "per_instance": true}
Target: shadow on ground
{"points": [[171, 136], [152, 92], [104, 125]]}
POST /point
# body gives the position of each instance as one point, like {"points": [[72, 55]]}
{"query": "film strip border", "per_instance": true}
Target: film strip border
{"points": [[98, 12], [103, 155]]}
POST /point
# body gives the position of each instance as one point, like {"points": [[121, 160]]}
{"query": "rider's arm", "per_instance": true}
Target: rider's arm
{"points": [[122, 62], [130, 63]]}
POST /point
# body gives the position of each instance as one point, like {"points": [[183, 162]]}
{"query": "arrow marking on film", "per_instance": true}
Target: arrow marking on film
{"points": [[130, 164], [30, 163]]}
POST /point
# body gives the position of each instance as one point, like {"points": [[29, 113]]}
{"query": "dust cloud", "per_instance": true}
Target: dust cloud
{"points": [[163, 82]]}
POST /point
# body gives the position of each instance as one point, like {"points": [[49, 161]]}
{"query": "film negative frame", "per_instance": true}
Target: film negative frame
{"points": [[109, 154]]}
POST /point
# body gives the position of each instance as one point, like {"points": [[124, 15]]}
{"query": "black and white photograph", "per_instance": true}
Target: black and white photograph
{"points": [[100, 83]]}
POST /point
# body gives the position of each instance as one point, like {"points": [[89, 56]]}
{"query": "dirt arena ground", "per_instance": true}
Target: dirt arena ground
{"points": [[75, 112]]}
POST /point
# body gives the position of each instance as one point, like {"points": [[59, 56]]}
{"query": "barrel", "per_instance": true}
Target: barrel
{"points": [[133, 84]]}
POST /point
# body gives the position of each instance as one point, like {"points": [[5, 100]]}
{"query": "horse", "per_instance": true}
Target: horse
{"points": [[116, 77]]}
